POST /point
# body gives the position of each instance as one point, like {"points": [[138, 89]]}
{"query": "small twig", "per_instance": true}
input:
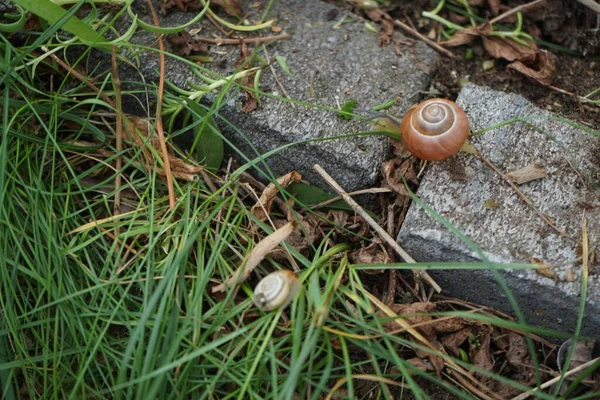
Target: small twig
{"points": [[522, 195], [159, 124], [525, 395], [420, 275], [513, 11], [255, 40], [428, 41]]}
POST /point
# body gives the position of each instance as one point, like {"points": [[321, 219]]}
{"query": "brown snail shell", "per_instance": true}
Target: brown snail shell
{"points": [[276, 290], [434, 129]]}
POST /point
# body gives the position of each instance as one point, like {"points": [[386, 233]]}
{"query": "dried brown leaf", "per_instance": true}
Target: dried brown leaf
{"points": [[494, 6], [184, 44], [263, 206], [526, 174], [464, 36], [231, 7], [425, 327], [374, 253], [453, 324], [420, 364], [481, 355], [542, 70], [395, 172], [387, 25], [453, 341], [517, 354], [509, 49], [258, 253], [543, 269]]}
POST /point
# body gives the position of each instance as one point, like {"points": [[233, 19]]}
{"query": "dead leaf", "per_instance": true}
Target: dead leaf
{"points": [[263, 206], [481, 355], [420, 364], [517, 353], [491, 204], [395, 172], [541, 70], [452, 324], [250, 98], [231, 7], [422, 308], [526, 174], [374, 253], [464, 36], [185, 44], [543, 269], [258, 253], [387, 25], [509, 49], [453, 341], [494, 6]]}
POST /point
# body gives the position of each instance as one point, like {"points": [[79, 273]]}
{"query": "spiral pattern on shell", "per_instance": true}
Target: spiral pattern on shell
{"points": [[434, 129], [276, 290]]}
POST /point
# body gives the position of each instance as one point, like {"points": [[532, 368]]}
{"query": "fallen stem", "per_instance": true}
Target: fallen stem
{"points": [[420, 275], [255, 40], [425, 39]]}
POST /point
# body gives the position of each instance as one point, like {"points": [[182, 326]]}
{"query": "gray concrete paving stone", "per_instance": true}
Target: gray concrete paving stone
{"points": [[462, 188], [329, 66]]}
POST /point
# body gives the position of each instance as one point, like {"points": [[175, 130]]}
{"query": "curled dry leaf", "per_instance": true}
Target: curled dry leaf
{"points": [[481, 355], [374, 253], [395, 172], [494, 6], [387, 25], [263, 206], [526, 174], [541, 70], [257, 254], [185, 44], [421, 308], [543, 269], [509, 49]]}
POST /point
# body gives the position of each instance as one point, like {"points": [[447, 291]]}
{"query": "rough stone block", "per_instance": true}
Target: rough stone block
{"points": [[482, 205], [329, 65]]}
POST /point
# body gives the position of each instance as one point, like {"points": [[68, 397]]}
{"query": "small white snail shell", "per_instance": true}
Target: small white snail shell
{"points": [[276, 290], [434, 129]]}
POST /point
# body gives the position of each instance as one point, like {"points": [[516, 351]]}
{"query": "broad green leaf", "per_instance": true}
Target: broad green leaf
{"points": [[311, 195], [51, 12]]}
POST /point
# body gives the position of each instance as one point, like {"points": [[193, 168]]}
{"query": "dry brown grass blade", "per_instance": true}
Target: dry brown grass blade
{"points": [[256, 40], [262, 208], [257, 254], [159, 124], [118, 130], [420, 275]]}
